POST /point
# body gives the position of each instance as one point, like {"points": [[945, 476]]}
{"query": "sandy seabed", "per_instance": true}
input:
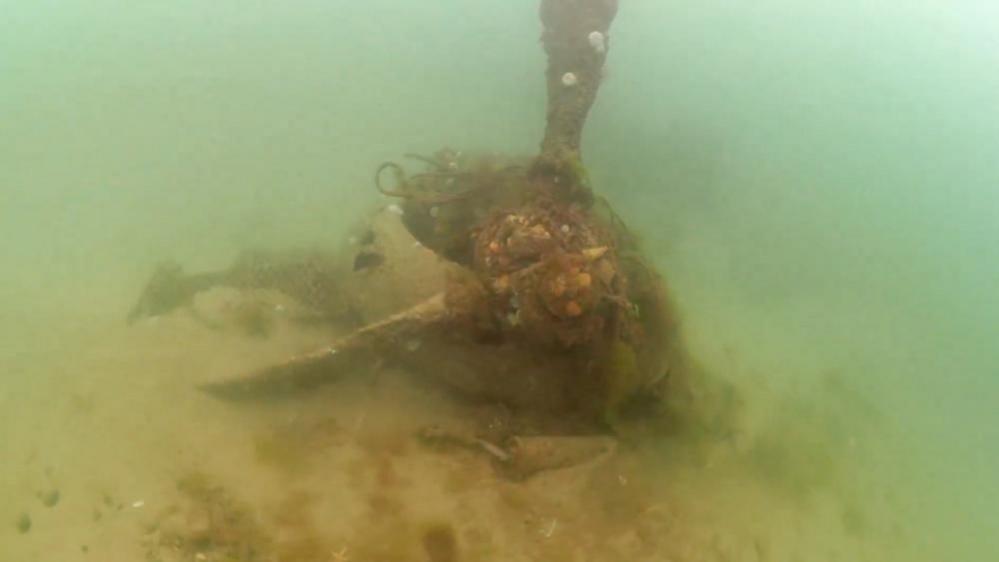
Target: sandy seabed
{"points": [[112, 454]]}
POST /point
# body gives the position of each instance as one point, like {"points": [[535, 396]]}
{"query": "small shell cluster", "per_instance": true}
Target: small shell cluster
{"points": [[597, 41], [548, 271]]}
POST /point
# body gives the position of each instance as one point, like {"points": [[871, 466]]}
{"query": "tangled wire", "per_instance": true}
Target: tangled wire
{"points": [[424, 187]]}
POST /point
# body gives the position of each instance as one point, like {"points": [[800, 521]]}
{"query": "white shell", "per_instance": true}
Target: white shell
{"points": [[597, 41], [569, 79]]}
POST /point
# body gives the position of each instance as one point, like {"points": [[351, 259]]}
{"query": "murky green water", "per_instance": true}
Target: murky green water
{"points": [[817, 183]]}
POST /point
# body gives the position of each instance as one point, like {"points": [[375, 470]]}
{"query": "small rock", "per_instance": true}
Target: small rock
{"points": [[50, 499], [24, 523]]}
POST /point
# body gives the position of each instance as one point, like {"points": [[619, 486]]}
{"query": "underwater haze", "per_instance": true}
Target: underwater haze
{"points": [[818, 183]]}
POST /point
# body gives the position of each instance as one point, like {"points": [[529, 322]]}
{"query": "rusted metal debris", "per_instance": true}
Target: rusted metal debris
{"points": [[541, 297]]}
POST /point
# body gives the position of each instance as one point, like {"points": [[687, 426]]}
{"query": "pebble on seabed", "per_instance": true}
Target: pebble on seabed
{"points": [[50, 499], [24, 523]]}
